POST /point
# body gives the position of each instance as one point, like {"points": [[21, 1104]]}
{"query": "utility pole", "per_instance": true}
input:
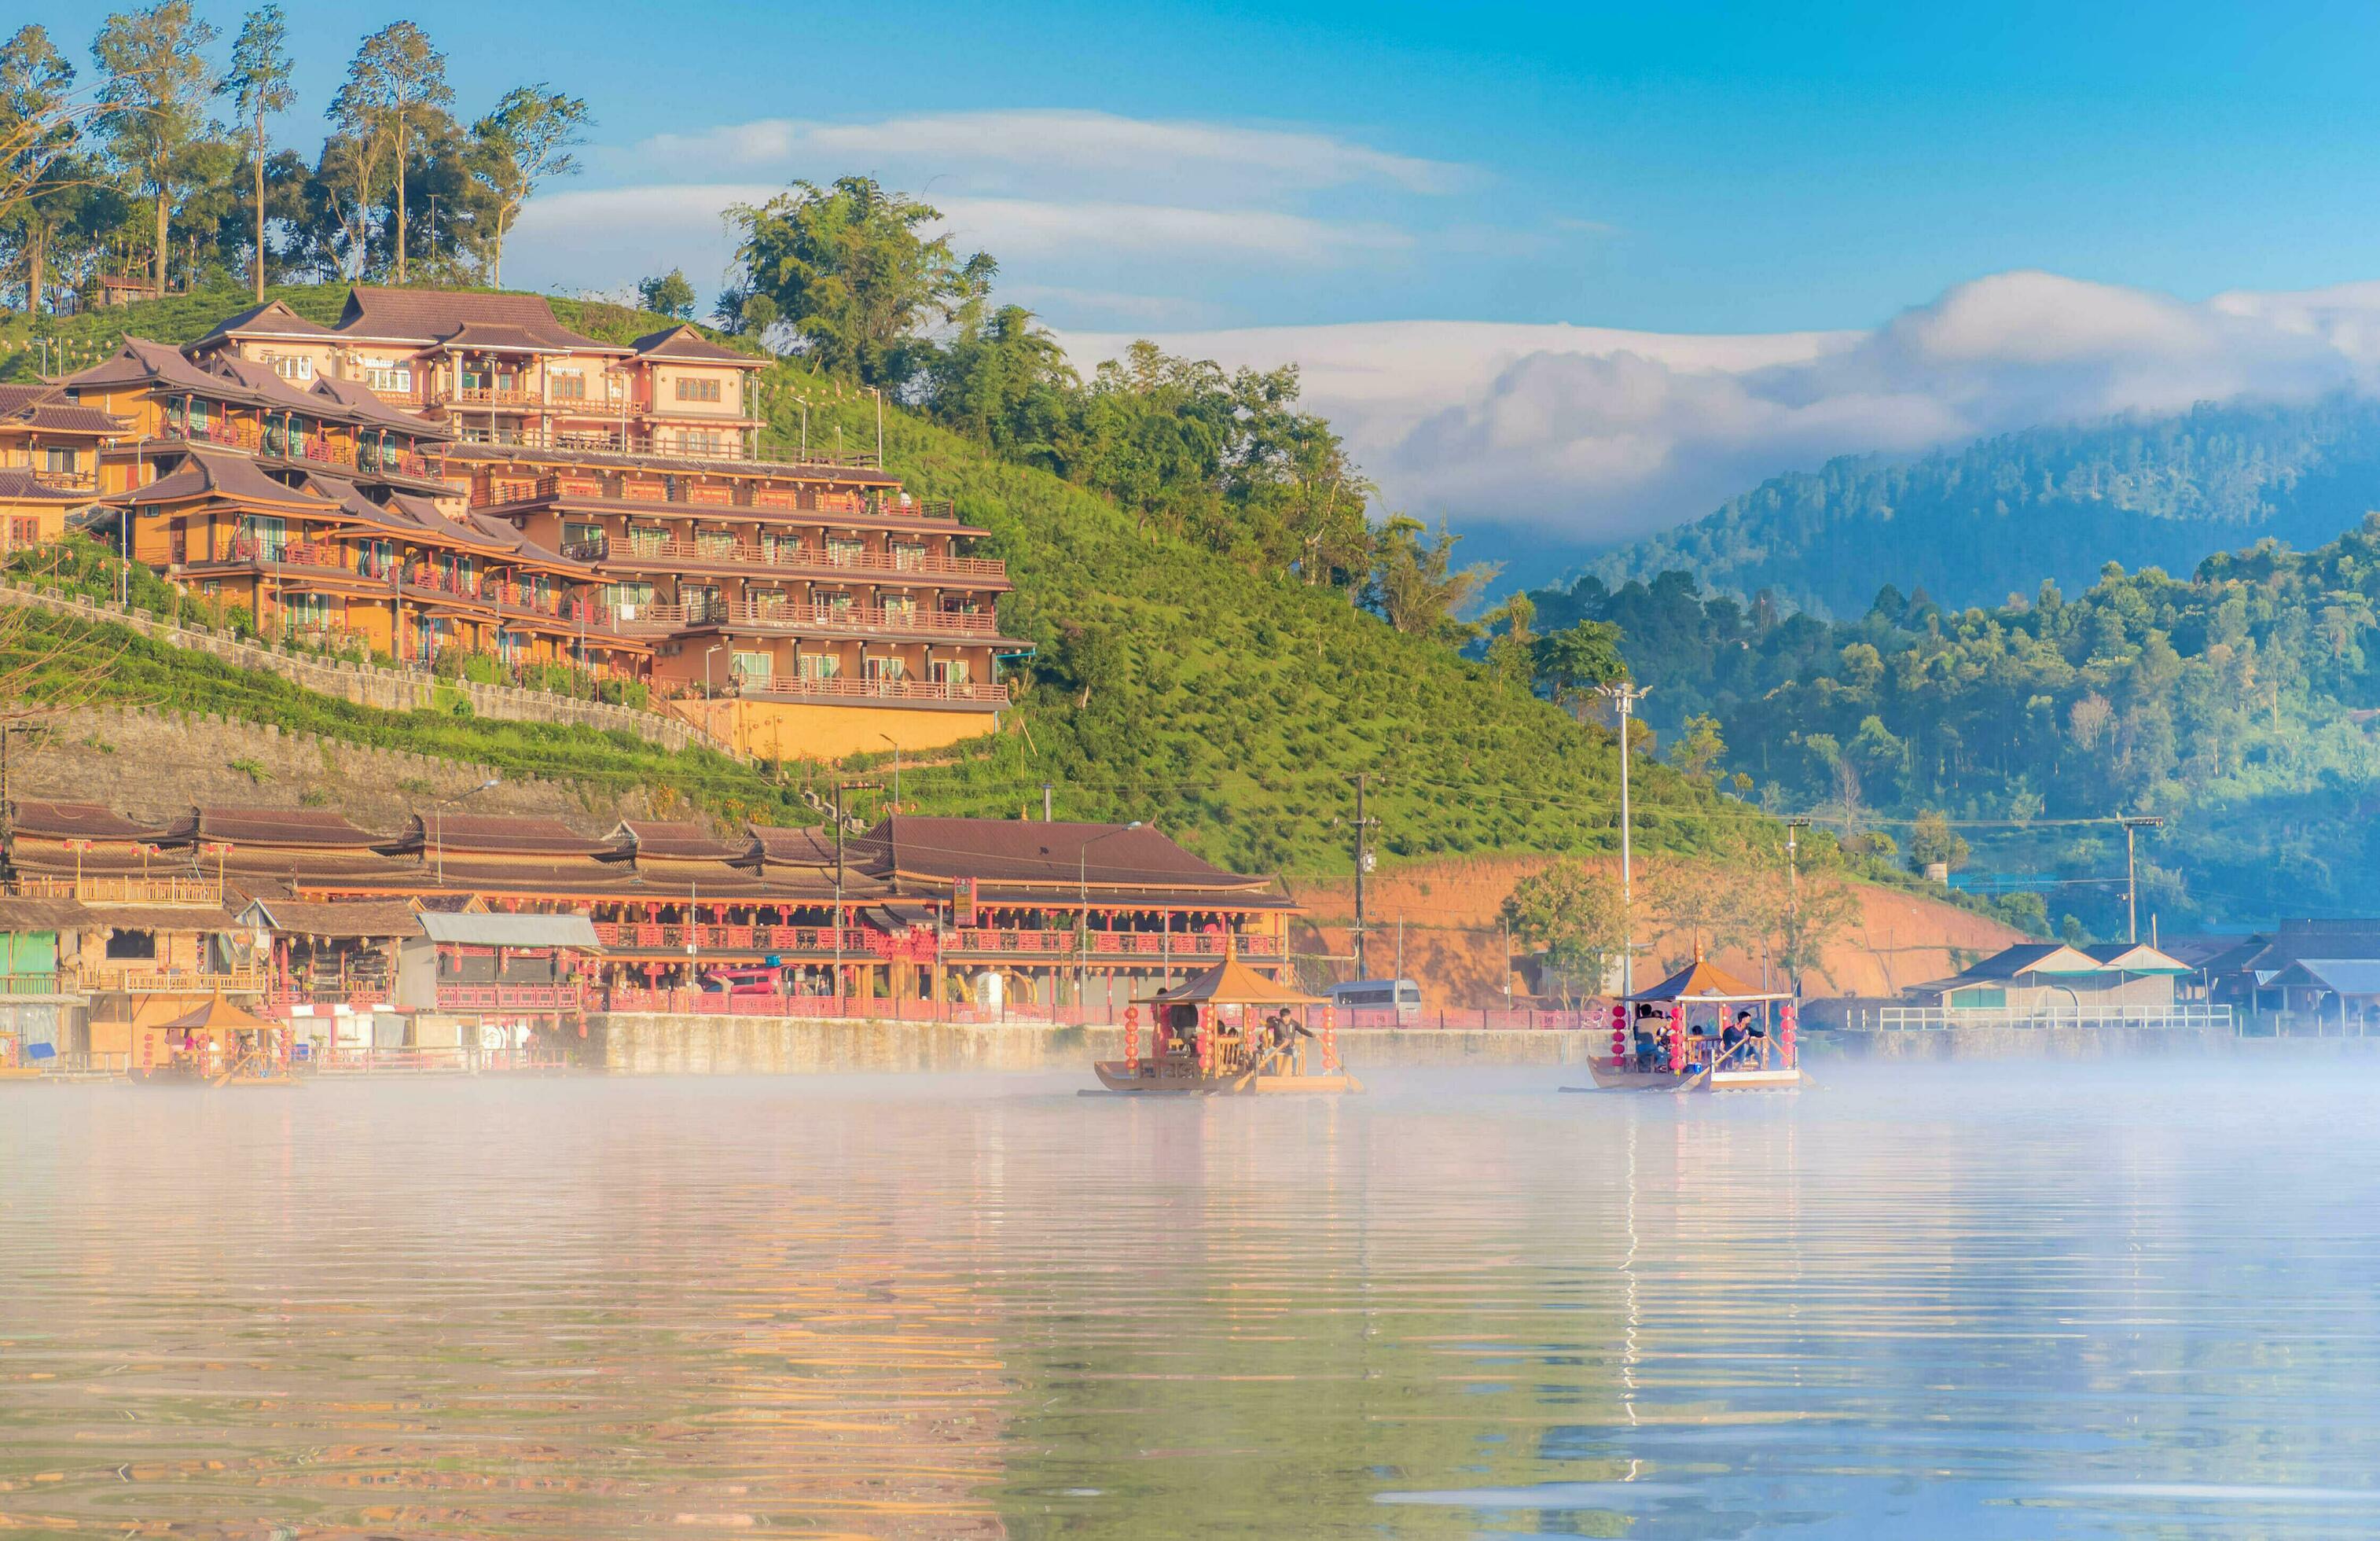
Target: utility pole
{"points": [[2134, 824], [1623, 695], [1045, 801], [1363, 865], [1793, 898], [840, 788]]}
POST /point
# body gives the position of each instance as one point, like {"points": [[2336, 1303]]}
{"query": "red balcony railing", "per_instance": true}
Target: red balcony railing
{"points": [[628, 551], [510, 998], [1114, 944], [646, 489], [811, 615], [649, 935]]}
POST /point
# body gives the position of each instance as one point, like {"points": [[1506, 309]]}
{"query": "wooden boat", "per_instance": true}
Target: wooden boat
{"points": [[1762, 1058], [217, 1045], [1230, 1032]]}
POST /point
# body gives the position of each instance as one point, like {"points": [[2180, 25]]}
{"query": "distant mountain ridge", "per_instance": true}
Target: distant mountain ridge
{"points": [[1974, 525]]}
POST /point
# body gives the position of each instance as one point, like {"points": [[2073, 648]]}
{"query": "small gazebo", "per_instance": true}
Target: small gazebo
{"points": [[216, 1038]]}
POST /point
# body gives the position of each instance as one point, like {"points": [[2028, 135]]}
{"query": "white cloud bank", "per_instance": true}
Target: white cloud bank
{"points": [[1591, 435]]}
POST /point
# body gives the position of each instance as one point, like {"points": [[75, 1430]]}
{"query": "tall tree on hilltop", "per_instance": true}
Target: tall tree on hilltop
{"points": [[38, 137], [1416, 586], [526, 140], [258, 84], [394, 85], [152, 100], [852, 273], [1574, 661]]}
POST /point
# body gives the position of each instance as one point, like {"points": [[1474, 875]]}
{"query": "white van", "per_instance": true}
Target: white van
{"points": [[1369, 996]]}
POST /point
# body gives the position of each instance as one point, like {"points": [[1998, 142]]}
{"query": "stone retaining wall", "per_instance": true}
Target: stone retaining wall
{"points": [[370, 685]]}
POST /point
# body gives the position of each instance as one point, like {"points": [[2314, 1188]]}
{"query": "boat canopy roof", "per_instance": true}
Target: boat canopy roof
{"points": [[1704, 981], [1231, 983], [219, 1015]]}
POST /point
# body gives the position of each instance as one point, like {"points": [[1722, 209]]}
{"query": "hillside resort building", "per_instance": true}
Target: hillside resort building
{"points": [[460, 473]]}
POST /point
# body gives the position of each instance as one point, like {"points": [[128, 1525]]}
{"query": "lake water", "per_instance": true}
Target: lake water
{"points": [[1934, 1301]]}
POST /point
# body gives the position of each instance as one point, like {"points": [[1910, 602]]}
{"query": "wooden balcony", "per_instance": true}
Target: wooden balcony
{"points": [[161, 889], [673, 494], [791, 615], [895, 692], [631, 552], [534, 998]]}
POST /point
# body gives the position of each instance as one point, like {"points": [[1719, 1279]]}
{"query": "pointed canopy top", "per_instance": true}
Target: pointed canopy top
{"points": [[219, 1015], [1231, 983], [1706, 981]]}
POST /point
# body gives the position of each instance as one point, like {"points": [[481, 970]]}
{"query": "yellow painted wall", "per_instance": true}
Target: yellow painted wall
{"points": [[797, 731]]}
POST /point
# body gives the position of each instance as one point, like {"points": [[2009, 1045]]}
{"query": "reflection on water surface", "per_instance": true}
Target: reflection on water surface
{"points": [[2078, 1301]]}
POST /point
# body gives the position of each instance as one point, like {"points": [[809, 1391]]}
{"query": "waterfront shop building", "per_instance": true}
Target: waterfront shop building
{"points": [[1003, 914], [2051, 983]]}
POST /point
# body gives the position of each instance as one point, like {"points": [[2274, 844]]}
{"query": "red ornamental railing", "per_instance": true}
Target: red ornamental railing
{"points": [[800, 687], [1116, 943], [649, 935], [510, 998]]}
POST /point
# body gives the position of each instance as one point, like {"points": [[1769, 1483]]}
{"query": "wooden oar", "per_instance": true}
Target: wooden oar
{"points": [[1247, 1077]]}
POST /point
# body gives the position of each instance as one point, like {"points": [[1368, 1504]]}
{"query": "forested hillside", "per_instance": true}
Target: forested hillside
{"points": [[1973, 526], [2239, 703]]}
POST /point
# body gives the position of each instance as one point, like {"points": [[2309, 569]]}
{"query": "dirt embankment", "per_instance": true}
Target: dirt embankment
{"points": [[1453, 943]]}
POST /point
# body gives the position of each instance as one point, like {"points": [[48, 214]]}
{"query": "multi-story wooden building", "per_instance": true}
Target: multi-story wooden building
{"points": [[802, 608], [49, 461]]}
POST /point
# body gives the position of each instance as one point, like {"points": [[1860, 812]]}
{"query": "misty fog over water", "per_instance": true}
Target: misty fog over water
{"points": [[1941, 1300]]}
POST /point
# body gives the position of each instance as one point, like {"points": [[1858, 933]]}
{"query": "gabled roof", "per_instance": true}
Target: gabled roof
{"points": [[682, 342], [142, 362], [270, 390], [20, 913], [1016, 850], [2042, 957], [272, 319], [658, 840], [2344, 977], [805, 846], [2135, 958], [429, 316], [507, 536], [41, 819], [365, 406], [365, 918], [219, 1015], [39, 406], [207, 472], [20, 485]]}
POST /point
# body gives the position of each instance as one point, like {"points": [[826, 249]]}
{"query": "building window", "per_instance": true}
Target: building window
{"points": [[950, 671], [24, 531], [751, 666], [391, 377], [566, 385], [290, 367], [697, 390], [59, 460], [821, 665], [842, 551], [1979, 997], [574, 532], [691, 443], [132, 944]]}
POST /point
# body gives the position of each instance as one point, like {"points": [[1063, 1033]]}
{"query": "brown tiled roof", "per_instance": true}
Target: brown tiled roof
{"points": [[506, 534], [38, 406], [801, 847], [492, 834], [684, 342], [142, 362], [270, 390], [678, 842], [364, 917], [272, 319], [222, 473], [17, 485], [1016, 850], [44, 820], [432, 315], [21, 913], [351, 500], [309, 828], [367, 407]]}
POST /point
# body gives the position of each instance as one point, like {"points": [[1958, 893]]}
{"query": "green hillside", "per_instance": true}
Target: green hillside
{"points": [[1228, 709], [1973, 526]]}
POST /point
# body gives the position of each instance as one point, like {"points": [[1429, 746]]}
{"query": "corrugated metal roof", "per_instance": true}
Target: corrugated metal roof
{"points": [[2346, 976], [510, 931]]}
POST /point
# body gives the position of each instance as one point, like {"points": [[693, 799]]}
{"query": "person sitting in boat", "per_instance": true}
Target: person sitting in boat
{"points": [[1648, 1044], [1733, 1037]]}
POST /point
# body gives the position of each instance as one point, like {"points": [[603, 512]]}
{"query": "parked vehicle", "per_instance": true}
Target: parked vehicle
{"points": [[1400, 995]]}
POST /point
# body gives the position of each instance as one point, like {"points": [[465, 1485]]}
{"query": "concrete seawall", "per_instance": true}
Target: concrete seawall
{"points": [[642, 1045]]}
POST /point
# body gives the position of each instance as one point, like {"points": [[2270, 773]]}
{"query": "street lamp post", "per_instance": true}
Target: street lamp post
{"points": [[1083, 897], [707, 654], [1624, 694], [438, 821]]}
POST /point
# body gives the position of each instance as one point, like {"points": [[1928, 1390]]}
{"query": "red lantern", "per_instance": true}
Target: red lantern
{"points": [[1677, 1038], [1206, 1040], [1132, 1040], [1787, 1020], [1329, 1038]]}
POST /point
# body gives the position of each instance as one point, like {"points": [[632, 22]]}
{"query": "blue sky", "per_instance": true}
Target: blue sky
{"points": [[1661, 250]]}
